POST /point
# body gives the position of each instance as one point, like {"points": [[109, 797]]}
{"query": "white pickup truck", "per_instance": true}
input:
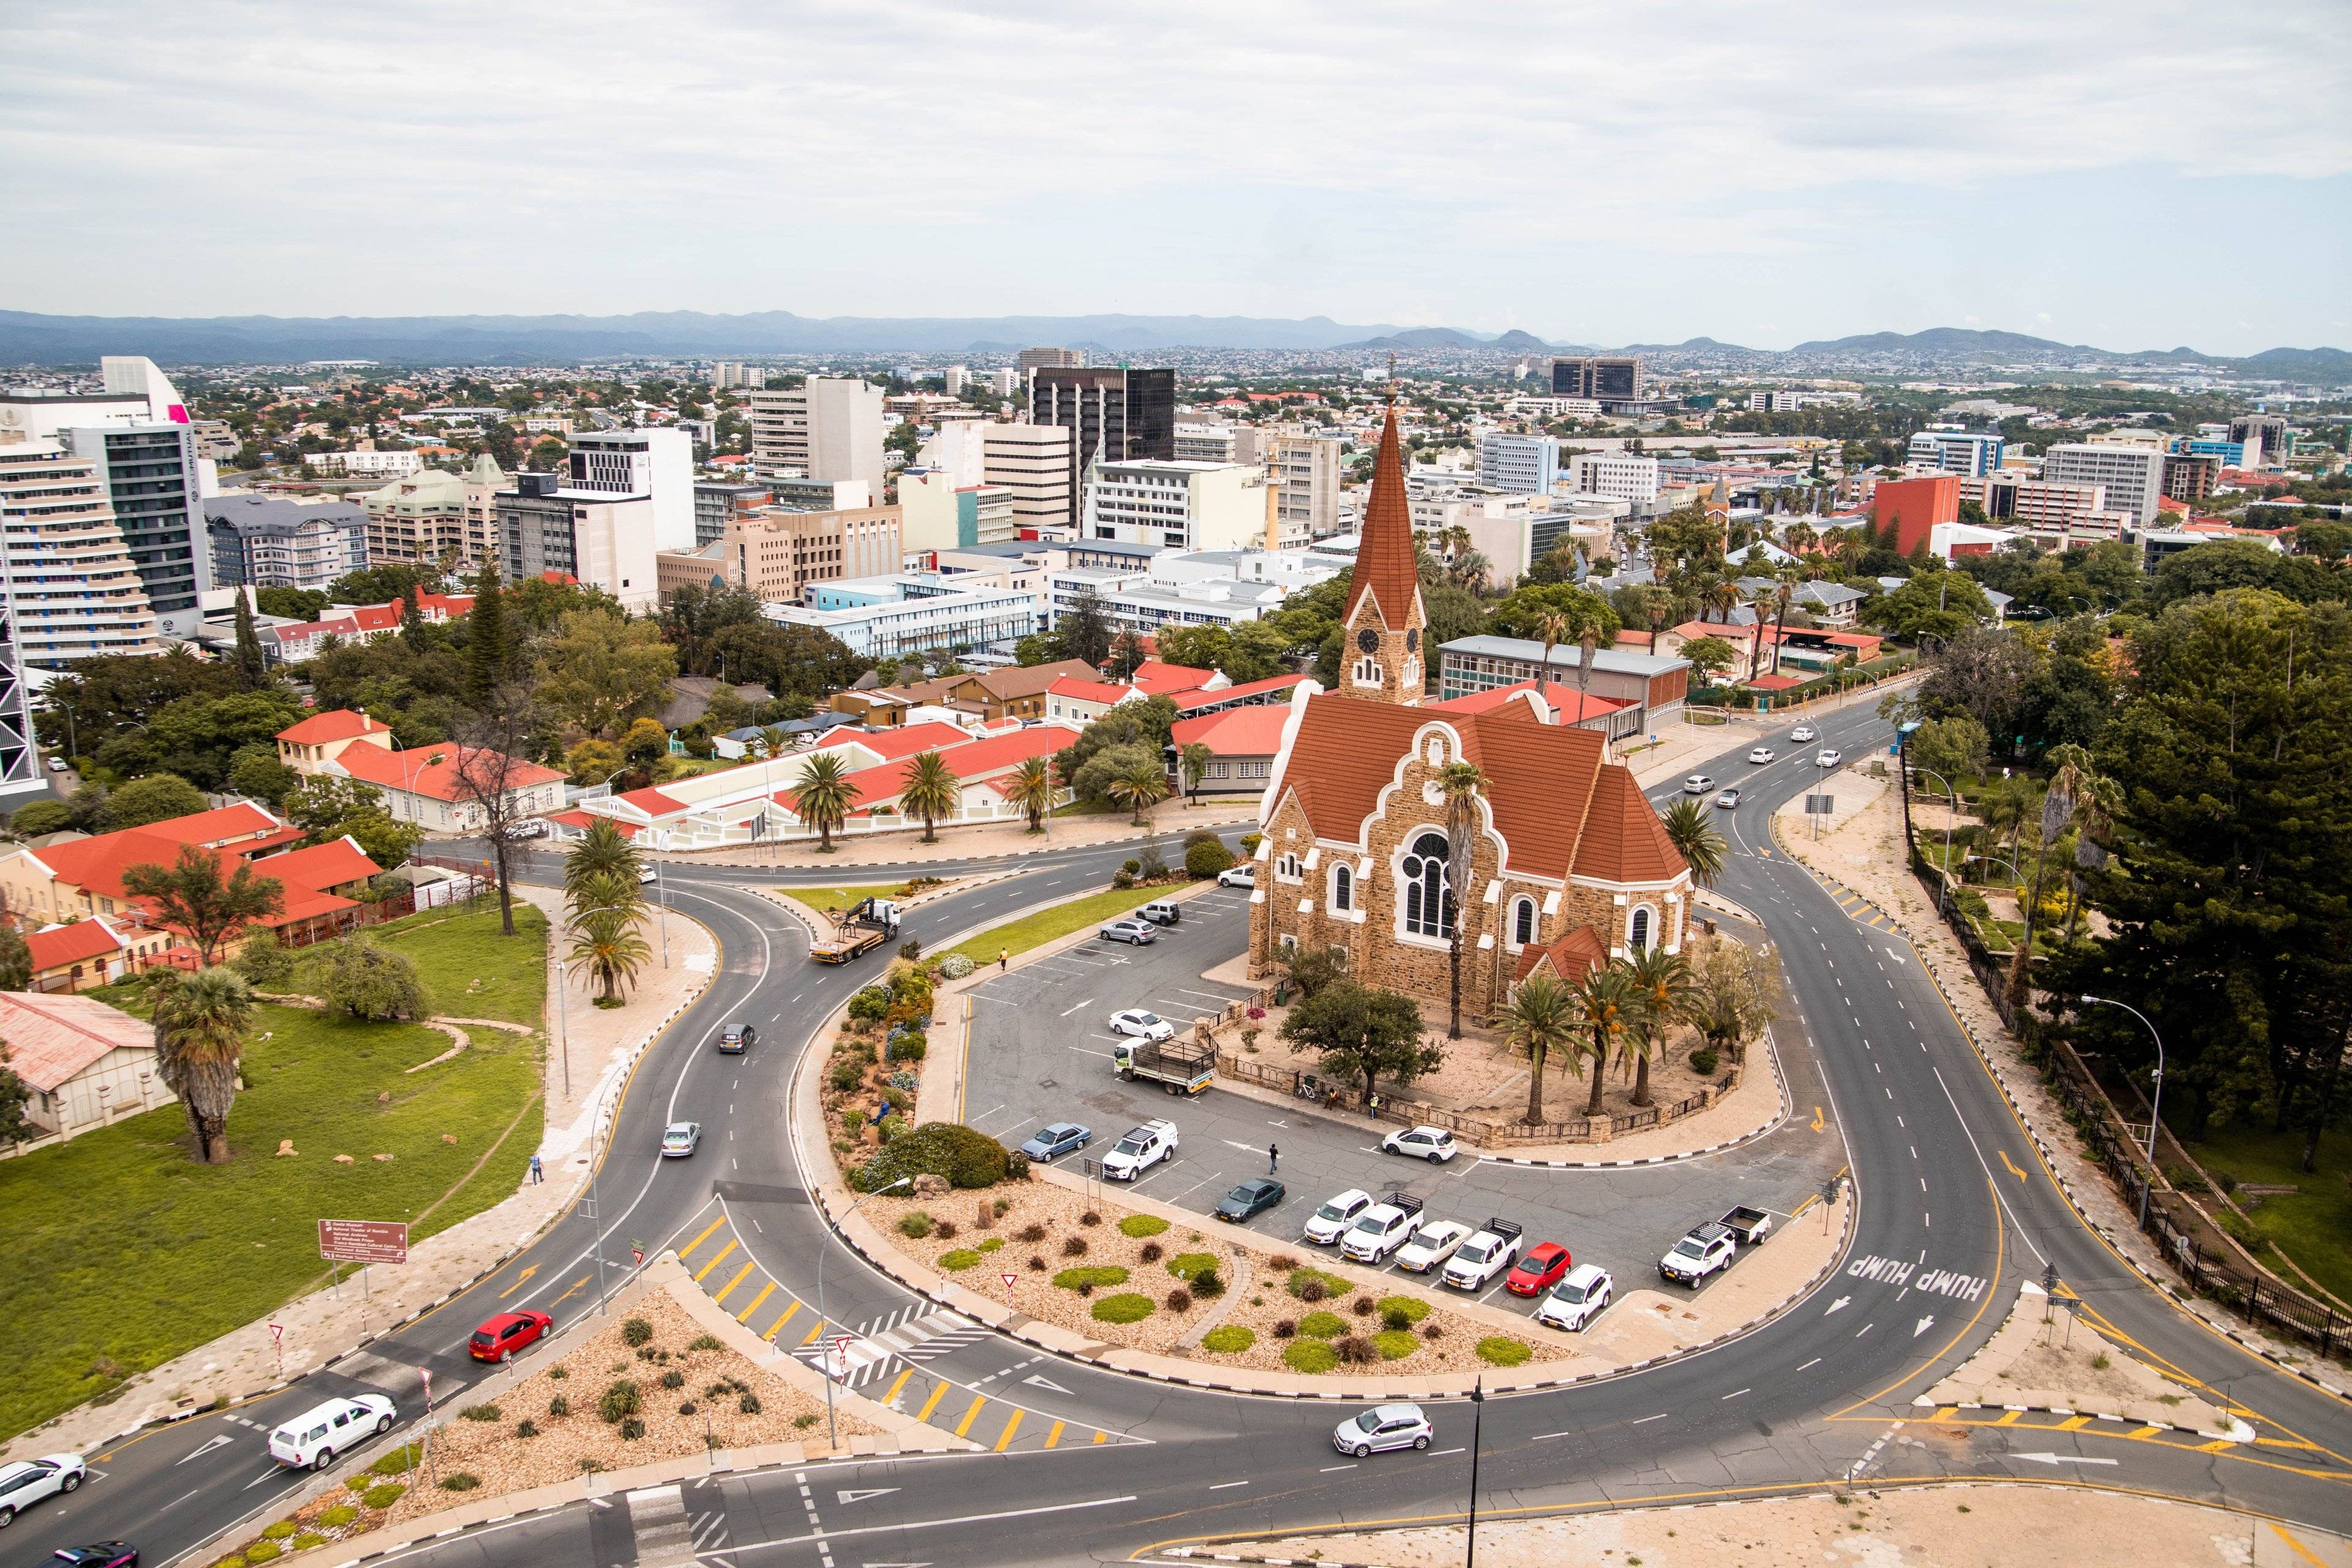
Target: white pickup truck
{"points": [[1706, 1250], [1380, 1229], [1495, 1248], [1141, 1150]]}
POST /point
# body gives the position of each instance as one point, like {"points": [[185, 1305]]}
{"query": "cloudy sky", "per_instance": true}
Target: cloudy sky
{"points": [[2133, 174]]}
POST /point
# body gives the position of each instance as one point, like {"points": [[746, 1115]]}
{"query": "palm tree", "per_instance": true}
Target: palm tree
{"points": [[605, 852], [1554, 627], [1194, 757], [931, 792], [1031, 788], [1799, 538], [1607, 1004], [609, 943], [200, 1021], [824, 796], [1760, 602], [1540, 1017], [1463, 784], [772, 740], [1139, 788], [1586, 648], [1721, 596], [605, 890], [1694, 838], [1668, 991]]}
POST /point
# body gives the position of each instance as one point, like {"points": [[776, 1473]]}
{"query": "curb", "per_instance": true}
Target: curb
{"points": [[2062, 1410], [1778, 1118]]}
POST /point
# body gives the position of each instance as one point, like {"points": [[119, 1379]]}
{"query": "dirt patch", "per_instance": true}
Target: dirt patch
{"points": [[2039, 1359]]}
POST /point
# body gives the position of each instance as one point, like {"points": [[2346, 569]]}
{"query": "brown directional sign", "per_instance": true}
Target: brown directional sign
{"points": [[364, 1240]]}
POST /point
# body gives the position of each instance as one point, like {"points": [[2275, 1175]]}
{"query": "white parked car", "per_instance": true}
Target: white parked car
{"points": [[312, 1439], [1431, 1245], [1329, 1223], [1147, 1026], [1381, 1230], [1141, 1150], [1830, 757], [27, 1481], [1384, 1426], [1705, 1250], [1434, 1144], [1802, 733], [1760, 754], [1241, 876], [1575, 1302], [1135, 933]]}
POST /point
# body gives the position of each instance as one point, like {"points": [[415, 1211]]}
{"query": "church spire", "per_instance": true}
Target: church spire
{"points": [[1384, 616]]}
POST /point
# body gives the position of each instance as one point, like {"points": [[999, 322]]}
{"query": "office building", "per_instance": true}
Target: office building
{"points": [[2010, 496], [734, 376], [1304, 469], [435, 516], [283, 541], [1554, 408], [1004, 383], [654, 463], [936, 513], [1030, 462], [364, 464], [1604, 377], [830, 427], [953, 379], [2240, 455], [2132, 474], [715, 502], [1125, 415], [913, 612], [1218, 443], [778, 554], [1181, 505], [215, 439], [1956, 452], [602, 540], [2191, 477], [1029, 360], [72, 591], [2267, 429], [1618, 476], [1910, 511], [1526, 464], [822, 495]]}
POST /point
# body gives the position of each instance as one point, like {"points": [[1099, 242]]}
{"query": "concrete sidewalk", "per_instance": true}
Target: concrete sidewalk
{"points": [[904, 846]]}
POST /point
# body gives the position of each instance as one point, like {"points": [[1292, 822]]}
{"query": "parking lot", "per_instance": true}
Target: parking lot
{"points": [[1041, 1052]]}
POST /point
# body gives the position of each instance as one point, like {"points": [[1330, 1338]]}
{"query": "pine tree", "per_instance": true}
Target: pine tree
{"points": [[251, 668], [485, 638], [411, 619]]}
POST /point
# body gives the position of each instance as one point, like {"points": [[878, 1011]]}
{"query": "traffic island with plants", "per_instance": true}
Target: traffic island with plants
{"points": [[873, 1072]]}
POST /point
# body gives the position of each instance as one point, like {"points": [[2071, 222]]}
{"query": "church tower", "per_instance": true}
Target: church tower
{"points": [[1386, 655]]}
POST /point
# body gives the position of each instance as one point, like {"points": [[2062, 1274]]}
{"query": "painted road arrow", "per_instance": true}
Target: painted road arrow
{"points": [[2063, 1459], [1044, 1383], [1924, 1324], [1841, 1301], [206, 1448], [850, 1497], [520, 1280]]}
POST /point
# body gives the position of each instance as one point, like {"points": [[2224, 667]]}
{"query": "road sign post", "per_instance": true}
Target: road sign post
{"points": [[278, 1344], [841, 1344]]}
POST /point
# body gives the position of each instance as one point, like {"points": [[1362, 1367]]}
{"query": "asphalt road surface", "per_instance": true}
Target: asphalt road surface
{"points": [[1082, 1465]]}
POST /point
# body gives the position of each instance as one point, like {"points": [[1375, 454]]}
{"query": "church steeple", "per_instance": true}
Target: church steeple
{"points": [[1384, 659]]}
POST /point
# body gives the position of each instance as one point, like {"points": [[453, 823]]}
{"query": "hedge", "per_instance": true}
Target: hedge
{"points": [[963, 1157]]}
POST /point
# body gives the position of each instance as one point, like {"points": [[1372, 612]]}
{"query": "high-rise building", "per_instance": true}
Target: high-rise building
{"points": [[1527, 464], [731, 375], [1031, 462], [1306, 471], [952, 379], [604, 540], [1179, 506], [828, 429], [281, 542], [435, 516], [936, 513], [1125, 415], [715, 502], [2269, 430], [2189, 476], [72, 591], [1620, 476], [1603, 376], [1029, 360], [654, 463], [1218, 443], [2134, 475], [1004, 383], [1956, 452]]}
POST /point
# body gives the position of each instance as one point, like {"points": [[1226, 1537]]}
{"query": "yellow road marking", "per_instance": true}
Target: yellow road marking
{"points": [[2009, 1165], [1055, 1435], [521, 1279], [1004, 1439], [1817, 1119], [892, 1397], [779, 1322], [715, 1262], [812, 1334], [2145, 1432], [720, 1298], [2216, 1446], [2073, 1424], [698, 1240], [1101, 1436], [765, 1291], [964, 1425], [2299, 1549], [933, 1402], [1944, 1412], [2009, 1418], [577, 1286]]}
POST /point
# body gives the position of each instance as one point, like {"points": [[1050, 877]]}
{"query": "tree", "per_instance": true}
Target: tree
{"points": [[15, 1127], [1363, 1034], [488, 780], [15, 964], [265, 963], [610, 944], [1954, 747], [299, 604], [412, 634], [604, 851], [598, 669], [252, 668], [199, 737], [825, 797], [931, 792], [193, 897], [1310, 968], [1540, 1017], [1668, 992], [1693, 835], [158, 797], [372, 983], [1577, 610], [1031, 788], [593, 762], [36, 817], [1140, 785], [1194, 757], [258, 773], [1709, 656], [1931, 604], [1462, 785], [1607, 1004], [200, 1022], [1738, 992], [1084, 630], [1553, 626], [488, 657]]}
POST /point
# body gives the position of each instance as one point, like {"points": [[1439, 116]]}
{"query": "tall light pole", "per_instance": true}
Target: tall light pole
{"points": [[823, 1318], [1942, 882], [2155, 1094], [1478, 1422], [595, 1165]]}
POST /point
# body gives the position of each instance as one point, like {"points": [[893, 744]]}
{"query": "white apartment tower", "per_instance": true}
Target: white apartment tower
{"points": [[1524, 465], [829, 428], [1181, 505], [2134, 475], [71, 590], [1306, 471], [657, 463], [1032, 462], [1618, 476]]}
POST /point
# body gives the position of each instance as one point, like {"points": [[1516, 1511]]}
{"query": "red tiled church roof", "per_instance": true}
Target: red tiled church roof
{"points": [[1385, 566]]}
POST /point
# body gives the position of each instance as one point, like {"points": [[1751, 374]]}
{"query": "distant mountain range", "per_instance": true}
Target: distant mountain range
{"points": [[27, 339]]}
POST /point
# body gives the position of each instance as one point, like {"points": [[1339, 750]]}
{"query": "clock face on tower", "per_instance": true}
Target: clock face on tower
{"points": [[1413, 639], [1369, 641]]}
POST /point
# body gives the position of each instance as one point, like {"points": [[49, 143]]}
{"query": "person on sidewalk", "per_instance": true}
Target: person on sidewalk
{"points": [[537, 1174], [1003, 958], [1272, 1158]]}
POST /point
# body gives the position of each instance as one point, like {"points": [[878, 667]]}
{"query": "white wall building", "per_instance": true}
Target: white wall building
{"points": [[72, 591], [882, 617], [1526, 464], [1185, 506], [1032, 462], [365, 465], [1305, 468], [1956, 452], [2133, 475], [831, 427], [656, 463], [1620, 476]]}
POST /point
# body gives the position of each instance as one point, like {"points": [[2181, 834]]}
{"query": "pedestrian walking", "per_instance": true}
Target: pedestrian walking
{"points": [[1272, 1158], [537, 1174], [1003, 958]]}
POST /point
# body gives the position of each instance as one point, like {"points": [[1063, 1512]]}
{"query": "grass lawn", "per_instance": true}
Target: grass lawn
{"points": [[469, 970], [844, 896], [2314, 1226], [1035, 930]]}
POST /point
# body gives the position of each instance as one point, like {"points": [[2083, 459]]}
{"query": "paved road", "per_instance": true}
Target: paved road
{"points": [[1950, 1195]]}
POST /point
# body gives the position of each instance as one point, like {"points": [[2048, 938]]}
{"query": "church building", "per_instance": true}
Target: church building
{"points": [[1568, 864]]}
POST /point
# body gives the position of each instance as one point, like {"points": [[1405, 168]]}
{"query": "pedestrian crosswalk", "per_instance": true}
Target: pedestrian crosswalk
{"points": [[917, 1333]]}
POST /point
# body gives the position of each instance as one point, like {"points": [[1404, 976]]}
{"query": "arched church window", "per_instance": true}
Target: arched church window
{"points": [[1523, 921], [1638, 935], [1428, 908]]}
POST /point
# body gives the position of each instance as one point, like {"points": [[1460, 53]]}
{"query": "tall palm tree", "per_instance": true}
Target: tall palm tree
{"points": [[200, 1022], [1694, 836], [609, 943], [1140, 789], [1669, 991], [1607, 1002], [1031, 788], [824, 796], [1540, 1017], [1721, 596], [1799, 538], [772, 740], [1587, 647], [1463, 784], [603, 853], [1194, 757], [1553, 627], [931, 792], [605, 890]]}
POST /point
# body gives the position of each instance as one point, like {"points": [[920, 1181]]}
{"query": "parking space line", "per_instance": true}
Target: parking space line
{"points": [[932, 1404], [716, 1261], [1055, 1435], [898, 1387], [765, 1291], [698, 1240]]}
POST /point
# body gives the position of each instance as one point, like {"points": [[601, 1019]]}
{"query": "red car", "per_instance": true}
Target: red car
{"points": [[1539, 1270], [500, 1337]]}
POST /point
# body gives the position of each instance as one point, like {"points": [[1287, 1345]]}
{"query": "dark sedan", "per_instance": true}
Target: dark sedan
{"points": [[735, 1038], [105, 1554], [1252, 1197]]}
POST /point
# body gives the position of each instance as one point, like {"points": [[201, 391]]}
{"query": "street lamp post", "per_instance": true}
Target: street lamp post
{"points": [[822, 1317], [2155, 1094], [1478, 1422], [595, 1191], [1941, 884]]}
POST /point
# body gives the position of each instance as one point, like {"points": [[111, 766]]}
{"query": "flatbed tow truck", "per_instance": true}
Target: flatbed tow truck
{"points": [[857, 931]]}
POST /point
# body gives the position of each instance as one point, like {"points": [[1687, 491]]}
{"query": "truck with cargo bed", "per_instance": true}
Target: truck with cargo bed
{"points": [[856, 930], [1178, 1065]]}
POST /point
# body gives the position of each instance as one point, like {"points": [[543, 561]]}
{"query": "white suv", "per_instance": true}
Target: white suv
{"points": [[1330, 1222], [313, 1438], [27, 1481]]}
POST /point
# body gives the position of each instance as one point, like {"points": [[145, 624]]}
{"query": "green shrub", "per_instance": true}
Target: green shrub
{"points": [[805, 1422], [955, 967], [703, 1343], [1231, 1340], [558, 1373], [963, 1157], [1310, 1284], [278, 1531], [991, 1244], [1413, 1308], [1206, 860], [1185, 1264], [868, 1005], [482, 1413], [264, 1552], [909, 1047], [399, 1462], [620, 1401], [636, 1332], [1309, 1356], [526, 1427], [961, 1258], [1128, 1306], [559, 1406], [632, 1429], [1500, 1352], [1395, 1345], [384, 1496], [1097, 1275], [915, 1225], [460, 1482], [306, 1540], [672, 1378], [341, 1514], [1139, 1226], [1208, 1282], [1322, 1325], [232, 1561], [748, 1405], [846, 1075], [1249, 842], [1704, 1061]]}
